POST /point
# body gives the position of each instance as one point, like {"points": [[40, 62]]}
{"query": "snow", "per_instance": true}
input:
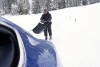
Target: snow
{"points": [[76, 34]]}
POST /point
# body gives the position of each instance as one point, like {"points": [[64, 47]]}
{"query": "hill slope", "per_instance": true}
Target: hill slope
{"points": [[76, 34]]}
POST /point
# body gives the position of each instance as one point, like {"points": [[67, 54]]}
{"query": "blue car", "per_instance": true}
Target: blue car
{"points": [[18, 48]]}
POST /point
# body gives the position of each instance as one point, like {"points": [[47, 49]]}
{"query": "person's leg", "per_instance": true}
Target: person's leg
{"points": [[50, 31], [45, 34]]}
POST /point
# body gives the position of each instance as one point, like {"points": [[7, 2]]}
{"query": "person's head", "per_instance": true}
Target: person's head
{"points": [[45, 11]]}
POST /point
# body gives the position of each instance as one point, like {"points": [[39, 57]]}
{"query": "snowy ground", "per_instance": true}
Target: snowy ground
{"points": [[76, 34]]}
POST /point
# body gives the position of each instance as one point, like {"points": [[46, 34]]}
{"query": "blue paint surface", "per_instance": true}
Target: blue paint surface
{"points": [[39, 55]]}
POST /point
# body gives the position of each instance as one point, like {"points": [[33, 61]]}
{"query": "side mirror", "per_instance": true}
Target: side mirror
{"points": [[9, 49]]}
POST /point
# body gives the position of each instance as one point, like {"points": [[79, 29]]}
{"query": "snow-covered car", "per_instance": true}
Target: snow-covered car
{"points": [[18, 48]]}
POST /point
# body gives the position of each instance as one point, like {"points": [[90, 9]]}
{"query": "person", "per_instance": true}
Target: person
{"points": [[46, 18]]}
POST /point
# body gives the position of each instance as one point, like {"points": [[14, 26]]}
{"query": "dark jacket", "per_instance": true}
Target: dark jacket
{"points": [[46, 18]]}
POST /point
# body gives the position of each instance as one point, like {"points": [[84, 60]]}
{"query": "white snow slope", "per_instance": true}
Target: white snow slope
{"points": [[76, 34]]}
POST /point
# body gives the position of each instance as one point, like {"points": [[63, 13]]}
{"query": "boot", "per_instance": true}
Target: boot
{"points": [[50, 37], [46, 38]]}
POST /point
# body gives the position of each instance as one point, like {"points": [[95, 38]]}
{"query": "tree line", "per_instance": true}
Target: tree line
{"points": [[19, 7]]}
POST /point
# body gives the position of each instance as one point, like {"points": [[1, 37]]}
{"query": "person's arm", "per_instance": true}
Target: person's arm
{"points": [[50, 17], [41, 18]]}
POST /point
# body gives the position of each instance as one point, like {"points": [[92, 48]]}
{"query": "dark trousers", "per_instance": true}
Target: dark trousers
{"points": [[48, 31]]}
